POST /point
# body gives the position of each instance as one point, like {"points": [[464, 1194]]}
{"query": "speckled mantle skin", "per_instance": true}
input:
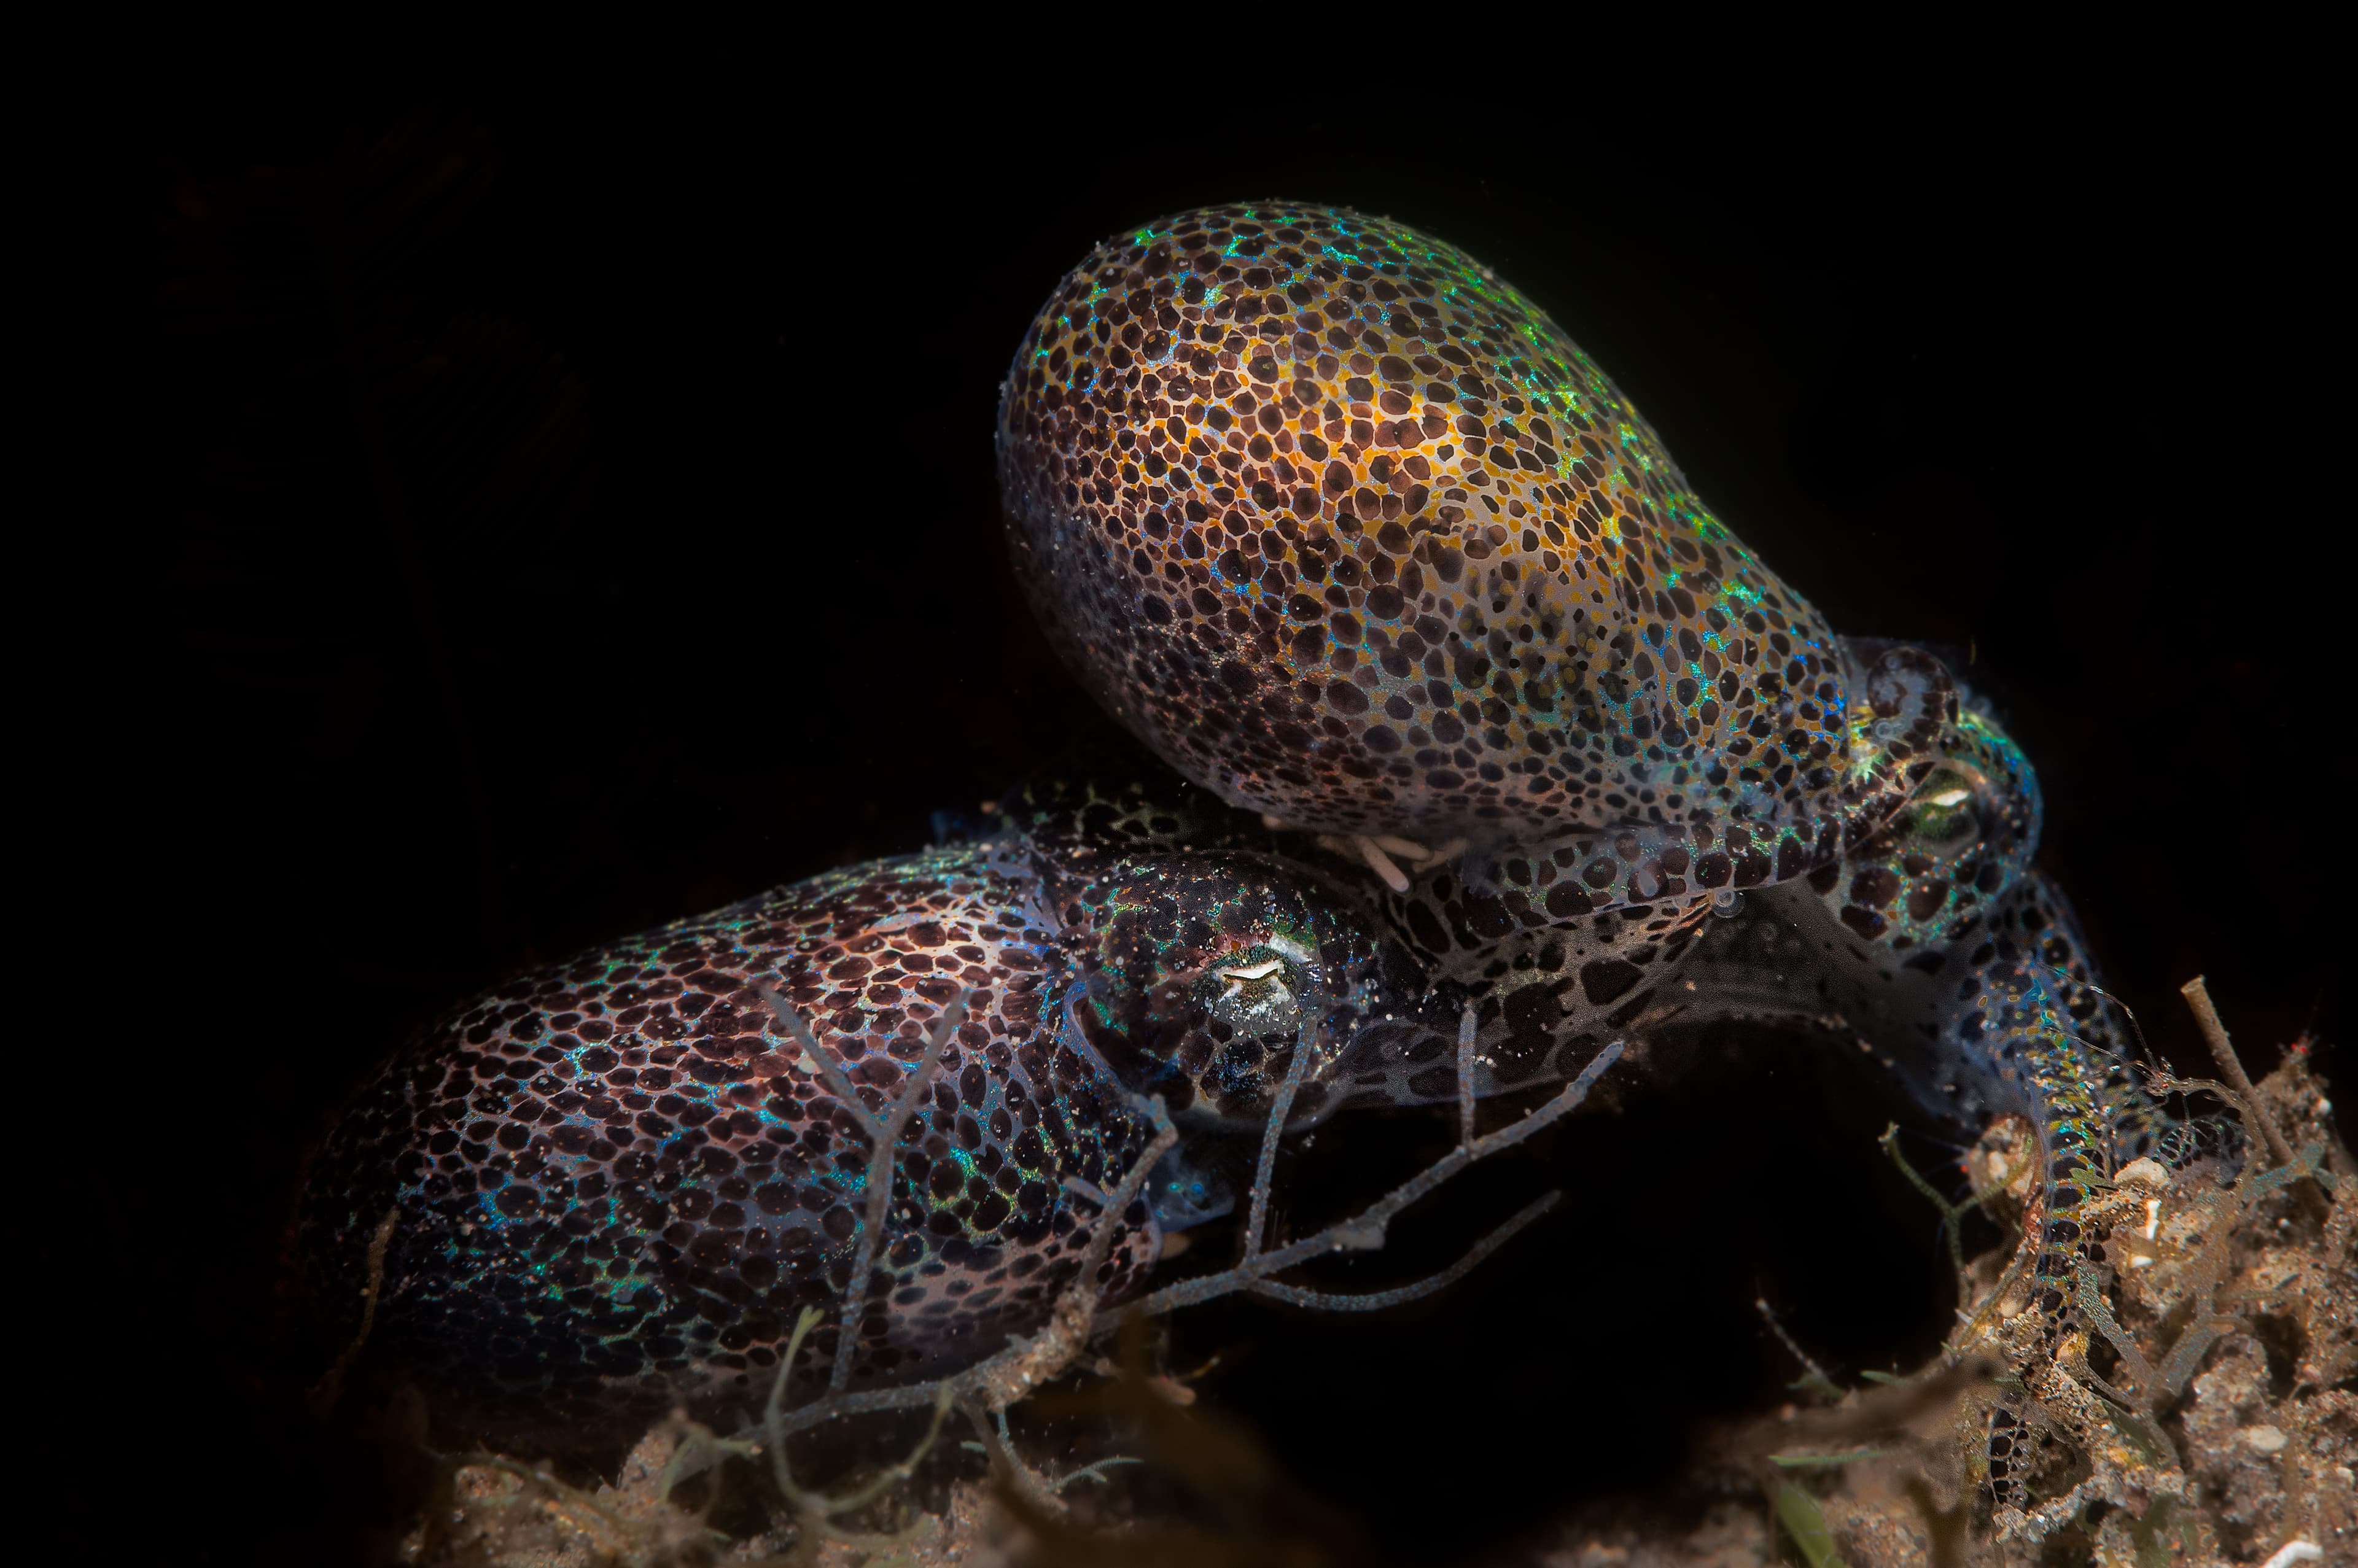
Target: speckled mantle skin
{"points": [[617, 1178], [1349, 533]]}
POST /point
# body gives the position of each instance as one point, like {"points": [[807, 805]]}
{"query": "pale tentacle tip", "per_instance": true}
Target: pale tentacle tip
{"points": [[1381, 864]]}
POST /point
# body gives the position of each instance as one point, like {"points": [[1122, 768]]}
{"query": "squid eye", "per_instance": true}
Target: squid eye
{"points": [[1260, 981], [1258, 990], [1940, 819]]}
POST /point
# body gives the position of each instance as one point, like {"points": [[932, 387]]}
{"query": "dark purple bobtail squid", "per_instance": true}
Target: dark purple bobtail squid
{"points": [[1490, 718]]}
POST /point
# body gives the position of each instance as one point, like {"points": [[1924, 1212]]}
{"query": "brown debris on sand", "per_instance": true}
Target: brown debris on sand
{"points": [[2224, 1375]]}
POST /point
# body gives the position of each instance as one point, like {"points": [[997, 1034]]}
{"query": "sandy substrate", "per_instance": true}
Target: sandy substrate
{"points": [[2252, 1451]]}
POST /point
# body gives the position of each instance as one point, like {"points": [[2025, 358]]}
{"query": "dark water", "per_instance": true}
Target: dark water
{"points": [[655, 560]]}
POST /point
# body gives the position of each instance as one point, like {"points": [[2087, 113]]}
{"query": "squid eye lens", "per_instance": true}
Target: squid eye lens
{"points": [[1941, 816]]}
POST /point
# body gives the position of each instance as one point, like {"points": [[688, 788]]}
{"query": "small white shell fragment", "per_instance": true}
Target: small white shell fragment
{"points": [[2263, 1439], [2145, 1172]]}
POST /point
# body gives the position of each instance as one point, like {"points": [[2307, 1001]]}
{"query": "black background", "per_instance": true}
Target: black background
{"points": [[2052, 396]]}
